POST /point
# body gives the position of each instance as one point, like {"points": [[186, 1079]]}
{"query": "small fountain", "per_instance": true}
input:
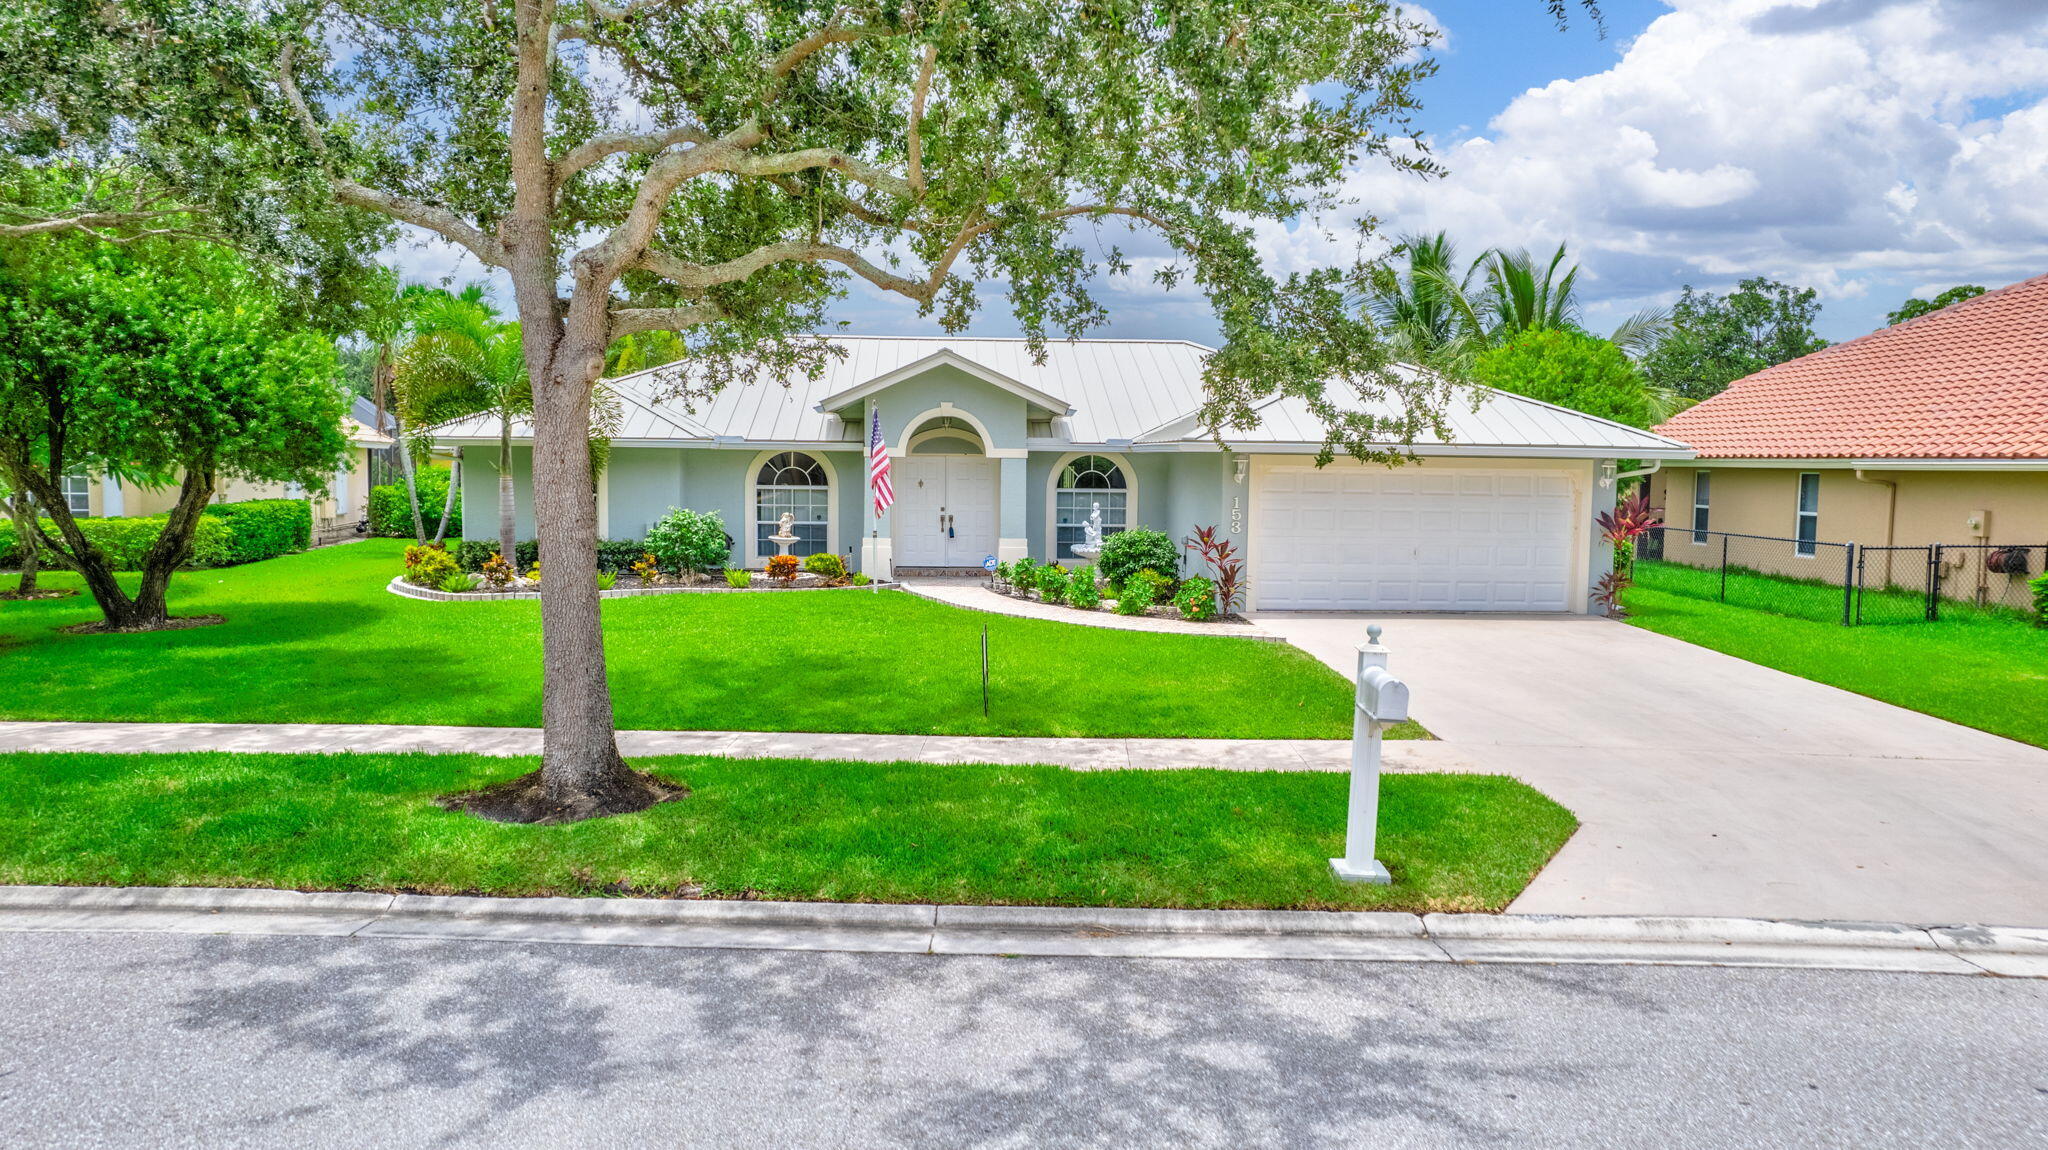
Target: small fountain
{"points": [[783, 536]]}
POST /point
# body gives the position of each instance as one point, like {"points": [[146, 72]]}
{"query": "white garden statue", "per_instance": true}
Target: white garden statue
{"points": [[784, 535], [1091, 534]]}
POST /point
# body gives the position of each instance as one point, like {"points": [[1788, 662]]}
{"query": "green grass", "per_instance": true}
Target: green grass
{"points": [[893, 832], [316, 638], [1815, 599], [1982, 669]]}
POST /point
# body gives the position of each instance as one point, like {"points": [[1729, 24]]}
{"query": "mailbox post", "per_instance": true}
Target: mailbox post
{"points": [[1382, 700]]}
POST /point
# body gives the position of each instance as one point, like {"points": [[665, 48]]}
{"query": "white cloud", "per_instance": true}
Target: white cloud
{"points": [[1826, 142]]}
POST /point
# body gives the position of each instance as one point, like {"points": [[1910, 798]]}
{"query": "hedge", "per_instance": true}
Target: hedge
{"points": [[613, 555], [227, 534], [391, 514]]}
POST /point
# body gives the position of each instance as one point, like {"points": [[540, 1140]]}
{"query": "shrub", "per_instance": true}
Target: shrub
{"points": [[1221, 556], [827, 564], [391, 515], [2040, 586], [497, 572], [226, 534], [614, 555], [647, 569], [689, 540], [1161, 586], [860, 579], [1021, 576], [460, 581], [533, 575], [265, 528], [1127, 552], [738, 577], [1196, 599], [1082, 590], [1137, 596], [1052, 580], [428, 566], [783, 567], [606, 580]]}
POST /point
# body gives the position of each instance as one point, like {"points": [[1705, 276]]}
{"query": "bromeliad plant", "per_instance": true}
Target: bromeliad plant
{"points": [[1226, 567], [1632, 518]]}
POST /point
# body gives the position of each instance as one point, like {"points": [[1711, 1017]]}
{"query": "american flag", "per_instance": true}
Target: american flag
{"points": [[878, 466]]}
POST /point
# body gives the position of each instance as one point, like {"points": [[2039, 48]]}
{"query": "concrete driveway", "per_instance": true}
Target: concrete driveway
{"points": [[1706, 785]]}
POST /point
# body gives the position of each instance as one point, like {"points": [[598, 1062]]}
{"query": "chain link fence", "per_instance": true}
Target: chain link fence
{"points": [[1845, 583]]}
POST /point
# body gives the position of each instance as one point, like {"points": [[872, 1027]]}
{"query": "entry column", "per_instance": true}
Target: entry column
{"points": [[1013, 534]]}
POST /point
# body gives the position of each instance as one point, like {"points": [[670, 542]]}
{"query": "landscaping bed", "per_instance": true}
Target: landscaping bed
{"points": [[628, 585], [772, 828]]}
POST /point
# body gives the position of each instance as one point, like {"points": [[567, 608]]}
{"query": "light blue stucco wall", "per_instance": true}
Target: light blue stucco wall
{"points": [[1175, 491]]}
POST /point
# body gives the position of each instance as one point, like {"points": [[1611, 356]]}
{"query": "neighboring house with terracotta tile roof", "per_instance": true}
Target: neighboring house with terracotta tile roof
{"points": [[1931, 431]]}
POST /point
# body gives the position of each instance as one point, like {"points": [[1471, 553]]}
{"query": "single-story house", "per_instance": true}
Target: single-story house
{"points": [[1931, 431], [346, 502], [995, 457]]}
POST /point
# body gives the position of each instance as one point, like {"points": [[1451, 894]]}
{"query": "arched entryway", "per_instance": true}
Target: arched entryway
{"points": [[947, 496]]}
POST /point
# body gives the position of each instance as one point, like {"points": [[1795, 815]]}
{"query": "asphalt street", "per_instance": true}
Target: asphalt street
{"points": [[113, 1039]]}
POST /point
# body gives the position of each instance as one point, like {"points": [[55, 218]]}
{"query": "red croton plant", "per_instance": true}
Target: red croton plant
{"points": [[1631, 518]]}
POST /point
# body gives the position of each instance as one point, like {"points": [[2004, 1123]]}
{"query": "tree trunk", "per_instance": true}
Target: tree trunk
{"points": [[508, 505], [20, 509], [412, 488], [148, 609], [448, 504]]}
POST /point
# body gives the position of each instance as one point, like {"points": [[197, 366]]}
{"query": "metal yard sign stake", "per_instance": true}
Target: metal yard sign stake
{"points": [[1382, 700]]}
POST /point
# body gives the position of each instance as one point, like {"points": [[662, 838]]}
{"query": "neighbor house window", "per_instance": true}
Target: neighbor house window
{"points": [[795, 483], [77, 494], [1083, 484], [1809, 513], [1701, 481]]}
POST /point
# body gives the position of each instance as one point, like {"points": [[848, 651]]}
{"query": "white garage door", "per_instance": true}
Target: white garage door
{"points": [[1352, 538]]}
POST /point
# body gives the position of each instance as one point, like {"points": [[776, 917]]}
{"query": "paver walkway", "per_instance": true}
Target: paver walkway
{"points": [[974, 595], [1082, 754]]}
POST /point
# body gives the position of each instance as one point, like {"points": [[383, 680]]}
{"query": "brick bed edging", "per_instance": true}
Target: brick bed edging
{"points": [[1081, 619], [399, 587]]}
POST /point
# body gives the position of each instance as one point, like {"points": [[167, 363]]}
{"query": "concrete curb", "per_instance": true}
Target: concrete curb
{"points": [[923, 928]]}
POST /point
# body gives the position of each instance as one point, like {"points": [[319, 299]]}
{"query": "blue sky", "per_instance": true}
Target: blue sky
{"points": [[1871, 149]]}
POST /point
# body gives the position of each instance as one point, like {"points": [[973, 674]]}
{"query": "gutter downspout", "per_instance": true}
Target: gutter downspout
{"points": [[1655, 466], [1891, 512]]}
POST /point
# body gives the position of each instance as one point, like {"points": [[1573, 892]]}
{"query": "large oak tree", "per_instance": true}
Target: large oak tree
{"points": [[720, 168]]}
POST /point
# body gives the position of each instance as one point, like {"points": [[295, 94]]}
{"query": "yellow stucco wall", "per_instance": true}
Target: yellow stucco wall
{"points": [[1931, 507], [139, 500]]}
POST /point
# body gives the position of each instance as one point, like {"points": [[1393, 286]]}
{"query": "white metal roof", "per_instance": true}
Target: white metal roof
{"points": [[1119, 391], [1478, 418]]}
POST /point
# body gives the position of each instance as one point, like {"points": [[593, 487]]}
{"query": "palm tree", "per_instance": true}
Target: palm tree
{"points": [[463, 361], [1423, 306], [1514, 295]]}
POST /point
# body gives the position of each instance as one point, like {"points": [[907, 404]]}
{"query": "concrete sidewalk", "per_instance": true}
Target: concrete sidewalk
{"points": [[1080, 754]]}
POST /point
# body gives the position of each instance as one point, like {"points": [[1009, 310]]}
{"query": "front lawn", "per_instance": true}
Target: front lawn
{"points": [[316, 638], [785, 829], [1980, 669]]}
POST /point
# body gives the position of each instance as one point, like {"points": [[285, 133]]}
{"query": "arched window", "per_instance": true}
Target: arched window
{"points": [[1084, 483], [795, 483]]}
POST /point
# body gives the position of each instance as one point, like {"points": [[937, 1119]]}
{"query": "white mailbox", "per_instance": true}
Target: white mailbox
{"points": [[1382, 699]]}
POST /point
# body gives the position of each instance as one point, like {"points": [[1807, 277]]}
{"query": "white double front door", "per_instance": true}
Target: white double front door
{"points": [[945, 513]]}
